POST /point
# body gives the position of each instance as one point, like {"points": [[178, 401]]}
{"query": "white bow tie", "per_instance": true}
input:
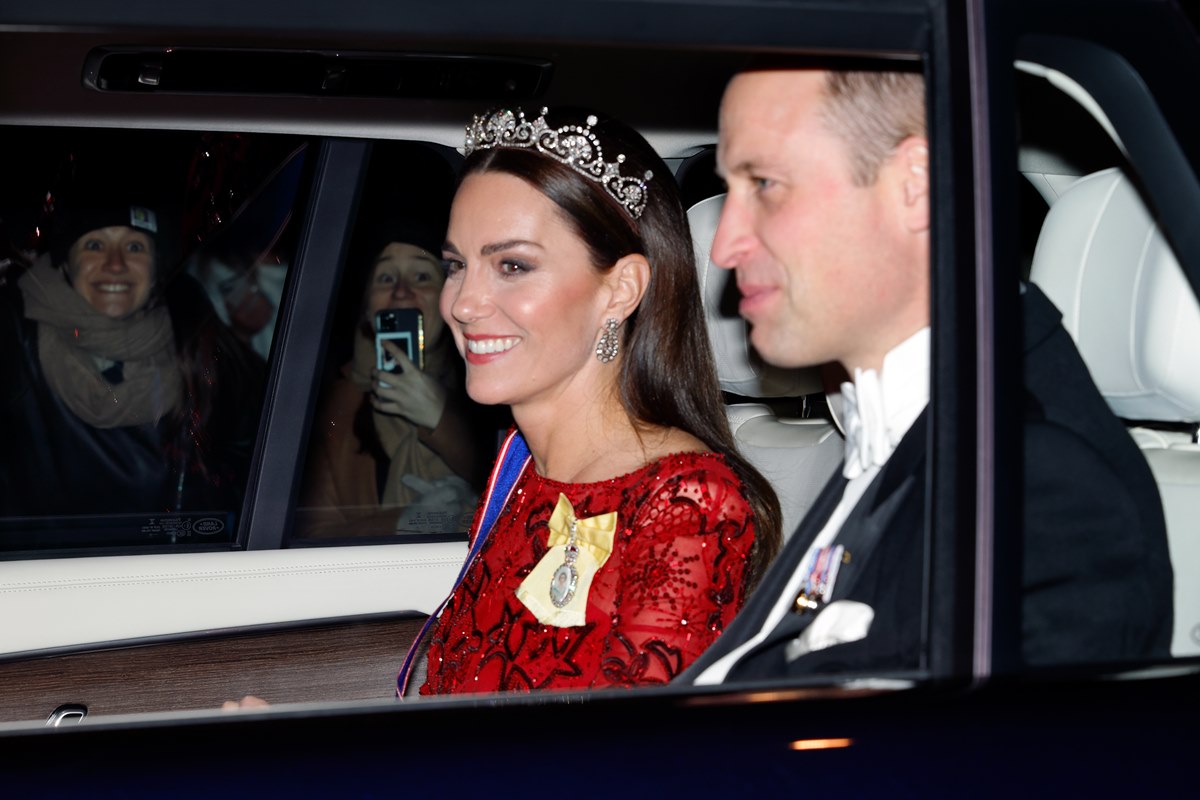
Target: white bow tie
{"points": [[867, 441]]}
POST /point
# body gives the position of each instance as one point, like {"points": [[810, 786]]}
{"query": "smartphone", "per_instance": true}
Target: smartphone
{"points": [[405, 327]]}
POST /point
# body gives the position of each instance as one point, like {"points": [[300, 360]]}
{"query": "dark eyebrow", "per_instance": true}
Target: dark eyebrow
{"points": [[496, 247]]}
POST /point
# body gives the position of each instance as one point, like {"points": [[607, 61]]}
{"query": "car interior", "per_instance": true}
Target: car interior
{"points": [[281, 142], [793, 444], [1104, 262], [285, 174], [1102, 258]]}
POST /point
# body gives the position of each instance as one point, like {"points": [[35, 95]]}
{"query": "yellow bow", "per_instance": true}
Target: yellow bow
{"points": [[594, 541], [594, 534]]}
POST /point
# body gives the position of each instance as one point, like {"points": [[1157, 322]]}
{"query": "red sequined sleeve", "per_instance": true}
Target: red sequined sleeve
{"points": [[681, 578]]}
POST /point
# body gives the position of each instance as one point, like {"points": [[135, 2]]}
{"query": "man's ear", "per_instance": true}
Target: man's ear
{"points": [[912, 159], [628, 280]]}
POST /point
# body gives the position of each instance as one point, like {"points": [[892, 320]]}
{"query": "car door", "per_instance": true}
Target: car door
{"points": [[88, 600], [973, 710]]}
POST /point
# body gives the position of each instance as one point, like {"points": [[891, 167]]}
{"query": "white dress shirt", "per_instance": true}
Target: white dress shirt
{"points": [[879, 408]]}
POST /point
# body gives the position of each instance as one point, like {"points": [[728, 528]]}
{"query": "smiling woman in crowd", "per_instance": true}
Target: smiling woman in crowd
{"points": [[121, 392]]}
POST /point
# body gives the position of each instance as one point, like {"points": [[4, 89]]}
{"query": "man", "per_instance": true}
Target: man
{"points": [[826, 225]]}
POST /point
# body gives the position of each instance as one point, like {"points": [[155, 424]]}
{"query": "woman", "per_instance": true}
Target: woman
{"points": [[390, 442], [630, 535], [122, 392]]}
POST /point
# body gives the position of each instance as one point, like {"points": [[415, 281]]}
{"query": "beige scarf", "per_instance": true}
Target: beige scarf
{"points": [[398, 437], [74, 339]]}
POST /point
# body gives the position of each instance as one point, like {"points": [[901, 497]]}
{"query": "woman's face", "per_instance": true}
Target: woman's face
{"points": [[405, 276], [522, 298], [113, 269]]}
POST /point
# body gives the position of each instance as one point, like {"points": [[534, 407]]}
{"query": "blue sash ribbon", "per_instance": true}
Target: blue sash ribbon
{"points": [[506, 472]]}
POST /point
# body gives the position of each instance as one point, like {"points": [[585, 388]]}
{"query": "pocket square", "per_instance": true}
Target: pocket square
{"points": [[839, 622]]}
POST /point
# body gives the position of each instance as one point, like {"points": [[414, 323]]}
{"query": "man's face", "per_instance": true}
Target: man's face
{"points": [[825, 267], [113, 269]]}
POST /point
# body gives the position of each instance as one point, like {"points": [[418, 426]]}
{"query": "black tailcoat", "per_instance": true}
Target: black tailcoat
{"points": [[1096, 577]]}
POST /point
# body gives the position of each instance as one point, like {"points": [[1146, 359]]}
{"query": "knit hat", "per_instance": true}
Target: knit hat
{"points": [[426, 231], [91, 211], [408, 201]]}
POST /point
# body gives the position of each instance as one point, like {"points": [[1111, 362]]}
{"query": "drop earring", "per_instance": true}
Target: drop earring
{"points": [[609, 344]]}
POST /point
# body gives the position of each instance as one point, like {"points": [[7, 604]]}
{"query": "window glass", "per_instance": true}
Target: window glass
{"points": [[1110, 460], [142, 277], [397, 448]]}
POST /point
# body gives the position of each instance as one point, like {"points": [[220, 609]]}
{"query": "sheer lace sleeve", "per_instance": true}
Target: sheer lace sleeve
{"points": [[674, 580], [682, 578]]}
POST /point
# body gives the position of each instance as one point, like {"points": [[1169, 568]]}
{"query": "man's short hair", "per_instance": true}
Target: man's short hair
{"points": [[872, 112]]}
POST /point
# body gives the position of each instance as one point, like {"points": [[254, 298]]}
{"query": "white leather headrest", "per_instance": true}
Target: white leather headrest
{"points": [[1104, 262], [740, 369]]}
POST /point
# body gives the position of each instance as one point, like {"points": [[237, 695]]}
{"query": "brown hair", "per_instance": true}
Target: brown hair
{"points": [[872, 112], [668, 376]]}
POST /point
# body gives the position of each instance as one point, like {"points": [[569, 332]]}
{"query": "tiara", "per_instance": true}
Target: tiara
{"points": [[572, 145]]}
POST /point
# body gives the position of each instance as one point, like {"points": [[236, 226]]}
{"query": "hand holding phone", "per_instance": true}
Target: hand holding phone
{"points": [[406, 328], [407, 392]]}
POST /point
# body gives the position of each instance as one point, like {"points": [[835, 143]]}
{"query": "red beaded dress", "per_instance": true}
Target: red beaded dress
{"points": [[674, 580]]}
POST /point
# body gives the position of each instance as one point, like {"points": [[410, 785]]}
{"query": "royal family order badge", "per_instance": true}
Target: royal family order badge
{"points": [[556, 591]]}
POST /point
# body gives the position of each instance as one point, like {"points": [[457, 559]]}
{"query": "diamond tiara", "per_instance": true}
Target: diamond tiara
{"points": [[572, 145]]}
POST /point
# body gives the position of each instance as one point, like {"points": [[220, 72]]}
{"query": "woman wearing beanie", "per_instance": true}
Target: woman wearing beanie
{"points": [[122, 393]]}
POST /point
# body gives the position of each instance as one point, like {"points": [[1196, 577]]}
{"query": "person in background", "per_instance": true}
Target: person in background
{"points": [[397, 451], [243, 265], [122, 393]]}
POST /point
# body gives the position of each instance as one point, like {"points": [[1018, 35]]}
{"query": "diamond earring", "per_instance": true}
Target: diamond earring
{"points": [[609, 344]]}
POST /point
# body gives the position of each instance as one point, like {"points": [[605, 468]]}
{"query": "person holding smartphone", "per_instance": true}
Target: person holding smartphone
{"points": [[395, 447]]}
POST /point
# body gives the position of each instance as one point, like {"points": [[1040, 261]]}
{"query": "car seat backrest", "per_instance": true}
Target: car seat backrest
{"points": [[1104, 262], [796, 455]]}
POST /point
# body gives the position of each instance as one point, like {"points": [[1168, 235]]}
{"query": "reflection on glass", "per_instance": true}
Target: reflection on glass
{"points": [[244, 265], [397, 448], [130, 406]]}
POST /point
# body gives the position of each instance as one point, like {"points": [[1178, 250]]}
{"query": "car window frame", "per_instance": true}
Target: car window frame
{"points": [[966, 634], [1122, 68], [903, 32], [293, 383]]}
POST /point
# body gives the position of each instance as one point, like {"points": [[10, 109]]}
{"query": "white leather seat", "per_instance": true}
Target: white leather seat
{"points": [[1104, 262], [796, 455]]}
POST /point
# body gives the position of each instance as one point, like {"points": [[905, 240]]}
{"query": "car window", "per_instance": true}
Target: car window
{"points": [[1099, 250], [407, 460], [143, 278], [340, 480]]}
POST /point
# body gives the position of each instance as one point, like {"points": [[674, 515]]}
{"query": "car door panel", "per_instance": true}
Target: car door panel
{"points": [[70, 603], [355, 659]]}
